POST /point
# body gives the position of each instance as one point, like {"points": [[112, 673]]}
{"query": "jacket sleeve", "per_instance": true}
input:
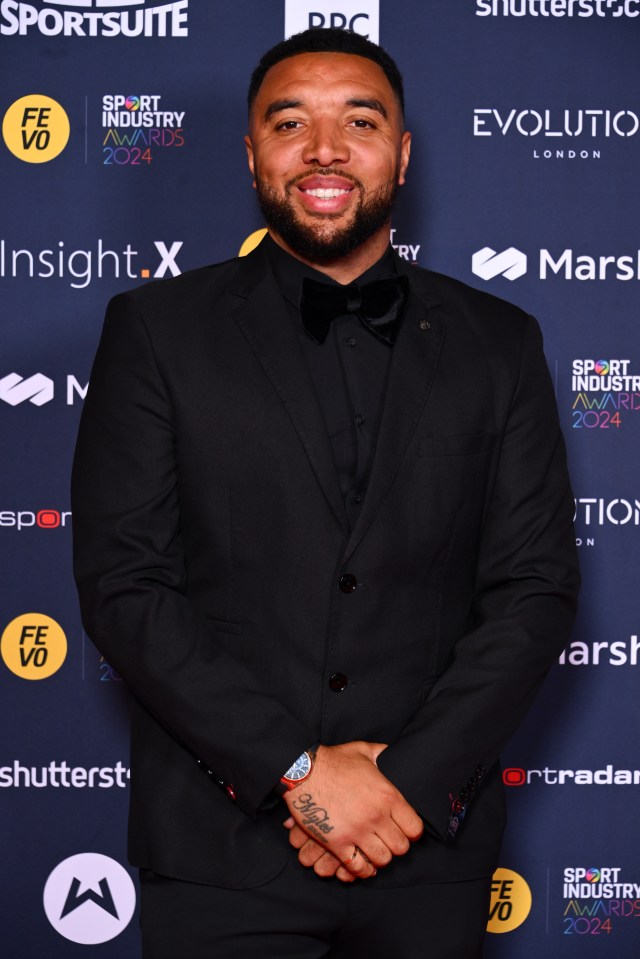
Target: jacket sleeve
{"points": [[525, 595], [131, 576]]}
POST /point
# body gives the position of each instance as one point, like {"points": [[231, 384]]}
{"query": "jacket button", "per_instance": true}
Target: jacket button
{"points": [[464, 795], [338, 682], [347, 583], [479, 773], [472, 784]]}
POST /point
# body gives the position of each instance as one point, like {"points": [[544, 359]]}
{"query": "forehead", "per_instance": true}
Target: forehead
{"points": [[325, 74]]}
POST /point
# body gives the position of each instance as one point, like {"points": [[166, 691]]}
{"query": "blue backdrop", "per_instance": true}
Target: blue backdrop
{"points": [[526, 124]]}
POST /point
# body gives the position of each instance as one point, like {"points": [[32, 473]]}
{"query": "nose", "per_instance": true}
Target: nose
{"points": [[326, 144]]}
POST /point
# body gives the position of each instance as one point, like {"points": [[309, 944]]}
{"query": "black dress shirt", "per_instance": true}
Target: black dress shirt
{"points": [[349, 373]]}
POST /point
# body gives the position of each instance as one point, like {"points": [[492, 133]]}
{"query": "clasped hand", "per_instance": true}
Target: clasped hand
{"points": [[347, 805]]}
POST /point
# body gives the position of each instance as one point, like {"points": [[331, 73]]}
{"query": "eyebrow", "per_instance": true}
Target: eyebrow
{"points": [[289, 104], [368, 104], [278, 105]]}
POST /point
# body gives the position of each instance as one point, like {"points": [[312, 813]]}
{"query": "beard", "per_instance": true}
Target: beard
{"points": [[326, 240]]}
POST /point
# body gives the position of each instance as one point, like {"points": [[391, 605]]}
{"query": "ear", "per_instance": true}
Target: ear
{"points": [[250, 158], [405, 152]]}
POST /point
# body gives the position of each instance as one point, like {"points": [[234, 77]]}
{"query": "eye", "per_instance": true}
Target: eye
{"points": [[289, 125], [362, 124]]}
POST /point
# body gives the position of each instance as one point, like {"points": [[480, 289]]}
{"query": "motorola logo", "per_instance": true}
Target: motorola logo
{"points": [[487, 263], [89, 898]]}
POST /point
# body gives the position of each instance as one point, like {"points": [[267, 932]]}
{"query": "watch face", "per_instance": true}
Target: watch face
{"points": [[300, 768]]}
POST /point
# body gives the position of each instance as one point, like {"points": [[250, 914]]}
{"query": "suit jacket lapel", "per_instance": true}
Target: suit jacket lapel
{"points": [[413, 366], [262, 317]]}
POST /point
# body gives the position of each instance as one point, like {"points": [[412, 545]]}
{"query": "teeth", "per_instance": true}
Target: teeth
{"points": [[326, 194]]}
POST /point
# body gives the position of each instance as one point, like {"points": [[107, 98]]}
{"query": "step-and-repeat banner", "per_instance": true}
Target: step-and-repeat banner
{"points": [[122, 160]]}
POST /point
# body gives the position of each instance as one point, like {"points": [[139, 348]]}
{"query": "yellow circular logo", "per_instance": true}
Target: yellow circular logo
{"points": [[252, 241], [35, 128], [510, 901], [33, 646]]}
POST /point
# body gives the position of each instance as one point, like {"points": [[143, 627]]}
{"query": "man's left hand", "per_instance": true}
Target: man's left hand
{"points": [[312, 853]]}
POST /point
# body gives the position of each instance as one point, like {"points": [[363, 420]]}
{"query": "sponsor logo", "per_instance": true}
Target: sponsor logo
{"points": [[35, 129], [42, 519], [104, 671], [558, 8], [601, 653], [605, 391], [89, 898], [95, 18], [60, 775], [514, 776], [606, 776], [38, 390], [596, 511], [588, 267], [488, 122], [136, 127], [487, 264], [407, 251], [510, 901], [252, 241], [597, 899], [560, 129], [567, 265], [595, 882], [360, 16], [603, 376], [81, 267], [33, 646], [107, 673]]}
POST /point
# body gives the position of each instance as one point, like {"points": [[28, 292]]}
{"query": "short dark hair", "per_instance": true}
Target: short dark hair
{"points": [[327, 40]]}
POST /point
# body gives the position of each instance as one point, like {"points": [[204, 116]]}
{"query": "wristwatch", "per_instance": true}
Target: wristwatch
{"points": [[299, 771]]}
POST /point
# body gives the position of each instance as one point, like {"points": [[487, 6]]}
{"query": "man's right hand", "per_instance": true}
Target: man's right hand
{"points": [[349, 807]]}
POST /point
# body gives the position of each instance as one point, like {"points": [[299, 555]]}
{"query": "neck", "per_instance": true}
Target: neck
{"points": [[348, 268]]}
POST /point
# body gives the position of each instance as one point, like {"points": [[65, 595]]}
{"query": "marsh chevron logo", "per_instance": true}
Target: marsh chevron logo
{"points": [[95, 18], [561, 264], [510, 264], [37, 389]]}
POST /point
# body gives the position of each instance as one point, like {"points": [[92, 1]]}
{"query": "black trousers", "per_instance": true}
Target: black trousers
{"points": [[300, 916]]}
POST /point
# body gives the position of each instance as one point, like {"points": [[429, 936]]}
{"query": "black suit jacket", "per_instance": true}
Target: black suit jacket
{"points": [[211, 535]]}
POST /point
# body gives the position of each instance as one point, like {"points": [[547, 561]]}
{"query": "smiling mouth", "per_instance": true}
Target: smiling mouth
{"points": [[325, 193]]}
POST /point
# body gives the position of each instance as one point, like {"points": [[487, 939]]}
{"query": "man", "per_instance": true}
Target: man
{"points": [[332, 584]]}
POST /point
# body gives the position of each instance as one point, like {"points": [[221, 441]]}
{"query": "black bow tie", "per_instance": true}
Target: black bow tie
{"points": [[378, 305]]}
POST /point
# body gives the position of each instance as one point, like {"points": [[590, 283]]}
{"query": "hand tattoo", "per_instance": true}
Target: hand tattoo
{"points": [[314, 818]]}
